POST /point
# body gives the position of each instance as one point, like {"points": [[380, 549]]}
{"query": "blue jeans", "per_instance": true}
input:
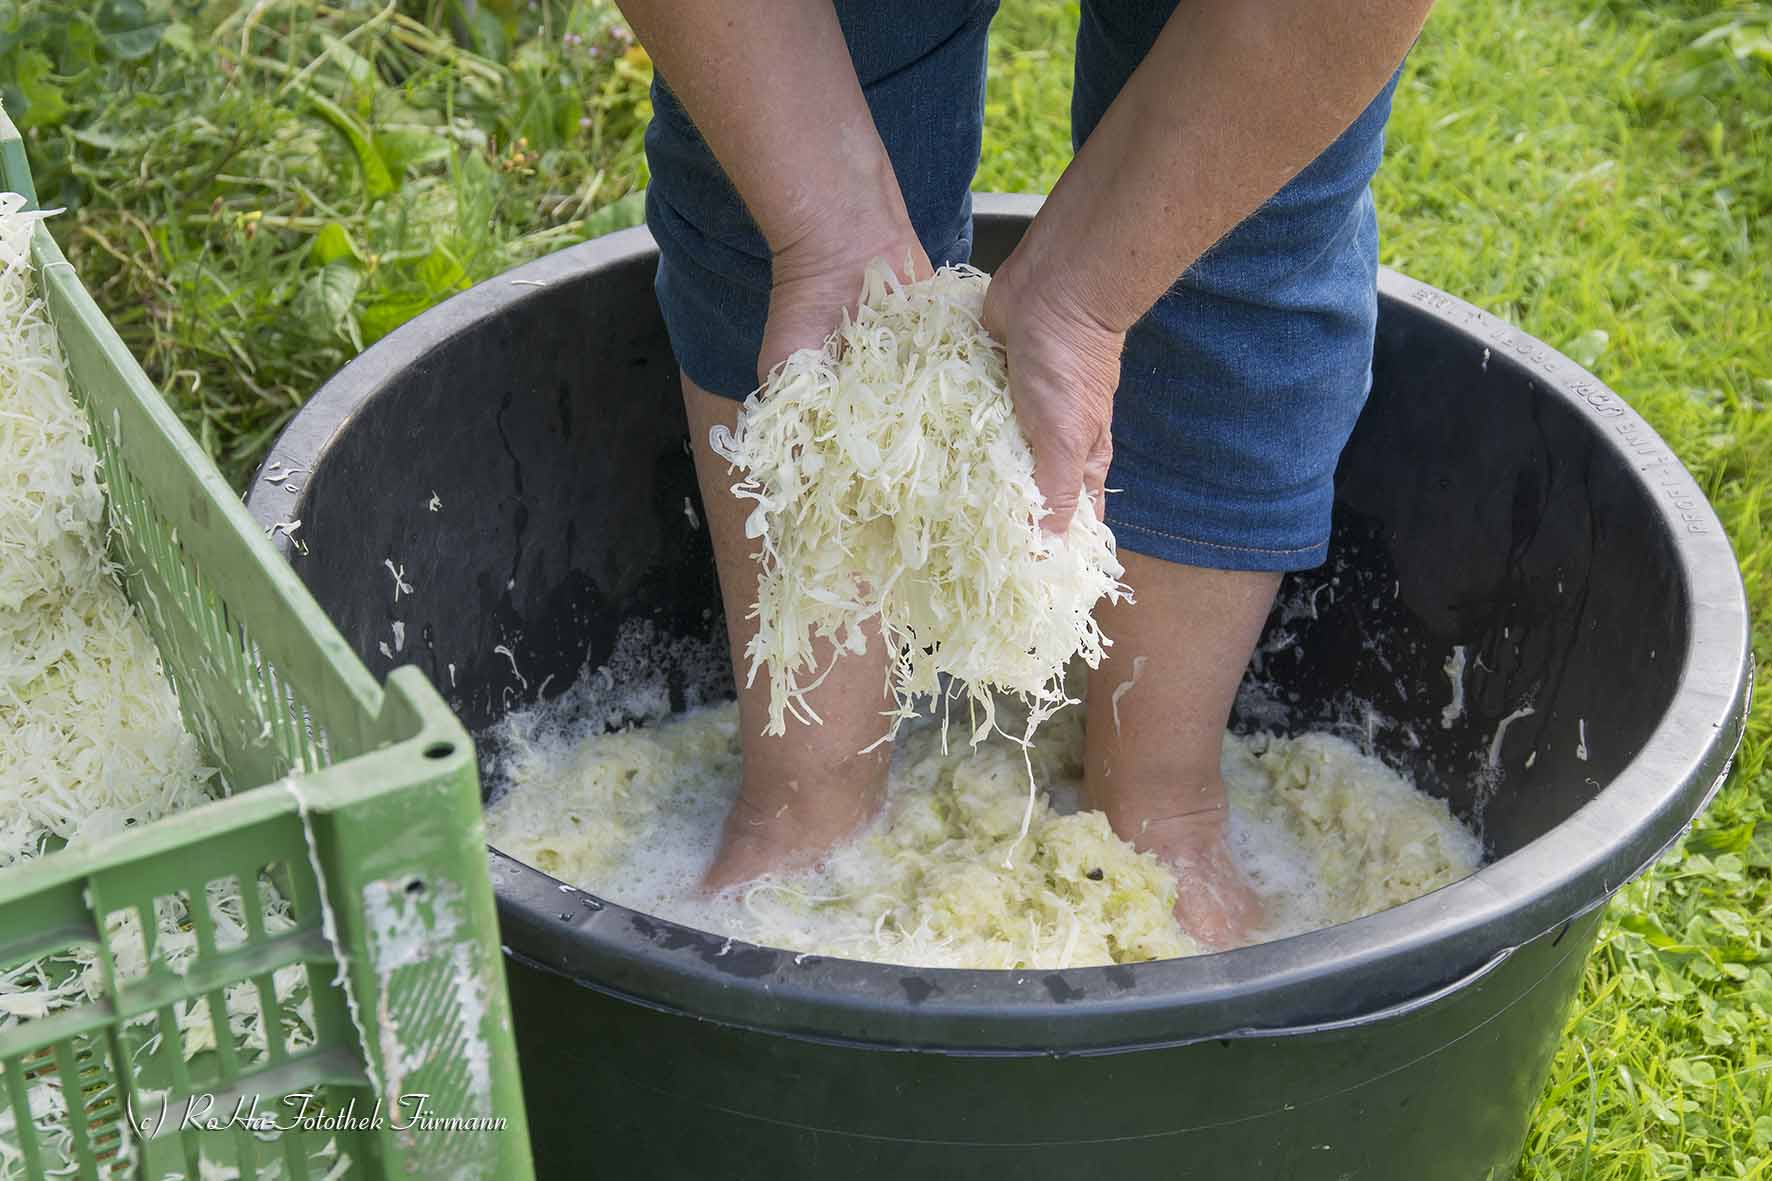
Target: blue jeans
{"points": [[1240, 387]]}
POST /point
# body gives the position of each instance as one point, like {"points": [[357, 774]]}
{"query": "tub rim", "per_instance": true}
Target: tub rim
{"points": [[1377, 968]]}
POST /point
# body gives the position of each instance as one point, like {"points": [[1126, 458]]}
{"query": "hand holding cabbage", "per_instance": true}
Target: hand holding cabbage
{"points": [[892, 481]]}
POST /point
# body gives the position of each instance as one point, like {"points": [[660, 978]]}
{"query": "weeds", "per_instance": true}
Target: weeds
{"points": [[257, 192]]}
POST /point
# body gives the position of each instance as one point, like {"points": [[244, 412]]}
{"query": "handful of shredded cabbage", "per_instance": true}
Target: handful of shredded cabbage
{"points": [[893, 483]]}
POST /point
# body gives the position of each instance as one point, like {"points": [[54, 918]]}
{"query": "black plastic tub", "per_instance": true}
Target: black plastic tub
{"points": [[1496, 500]]}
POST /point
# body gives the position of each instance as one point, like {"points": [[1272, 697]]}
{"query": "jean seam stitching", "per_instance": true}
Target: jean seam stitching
{"points": [[1244, 549]]}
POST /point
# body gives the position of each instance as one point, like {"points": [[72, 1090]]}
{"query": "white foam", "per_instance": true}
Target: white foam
{"points": [[1323, 831]]}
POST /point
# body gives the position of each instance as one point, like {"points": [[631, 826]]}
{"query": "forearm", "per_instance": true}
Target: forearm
{"points": [[1234, 99], [772, 89]]}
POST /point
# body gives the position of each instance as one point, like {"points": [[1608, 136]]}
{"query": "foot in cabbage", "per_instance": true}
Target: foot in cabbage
{"points": [[1157, 710], [1214, 902], [787, 826]]}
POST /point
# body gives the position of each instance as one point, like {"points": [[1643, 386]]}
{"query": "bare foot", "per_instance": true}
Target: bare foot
{"points": [[1215, 904], [785, 828], [1158, 706]]}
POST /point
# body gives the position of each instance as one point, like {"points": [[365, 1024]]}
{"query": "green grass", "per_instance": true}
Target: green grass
{"points": [[255, 198], [255, 192]]}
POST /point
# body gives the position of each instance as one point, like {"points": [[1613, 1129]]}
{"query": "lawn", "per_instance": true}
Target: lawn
{"points": [[256, 192]]}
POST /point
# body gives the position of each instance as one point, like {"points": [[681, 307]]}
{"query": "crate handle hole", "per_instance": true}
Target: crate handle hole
{"points": [[439, 750]]}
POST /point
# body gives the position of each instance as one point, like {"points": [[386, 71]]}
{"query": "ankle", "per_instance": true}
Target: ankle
{"points": [[1132, 807], [784, 827], [794, 815]]}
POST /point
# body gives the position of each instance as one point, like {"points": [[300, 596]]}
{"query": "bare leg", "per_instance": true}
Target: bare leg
{"points": [[808, 789], [1158, 706]]}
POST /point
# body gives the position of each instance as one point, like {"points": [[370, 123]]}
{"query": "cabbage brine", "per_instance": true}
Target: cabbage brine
{"points": [[1325, 832]]}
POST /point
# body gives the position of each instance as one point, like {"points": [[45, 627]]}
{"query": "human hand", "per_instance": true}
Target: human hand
{"points": [[820, 275], [1064, 365]]}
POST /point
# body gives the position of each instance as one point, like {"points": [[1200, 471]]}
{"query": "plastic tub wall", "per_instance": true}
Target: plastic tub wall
{"points": [[518, 455]]}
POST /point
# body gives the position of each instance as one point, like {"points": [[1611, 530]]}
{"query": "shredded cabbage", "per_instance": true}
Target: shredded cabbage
{"points": [[91, 739], [580, 807], [931, 883], [1325, 832], [892, 482], [1373, 838], [633, 815], [577, 811], [90, 736]]}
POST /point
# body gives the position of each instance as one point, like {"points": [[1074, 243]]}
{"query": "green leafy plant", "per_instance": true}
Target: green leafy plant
{"points": [[260, 191], [46, 51]]}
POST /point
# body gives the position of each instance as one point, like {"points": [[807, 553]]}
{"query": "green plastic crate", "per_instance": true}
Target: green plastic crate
{"points": [[358, 804]]}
